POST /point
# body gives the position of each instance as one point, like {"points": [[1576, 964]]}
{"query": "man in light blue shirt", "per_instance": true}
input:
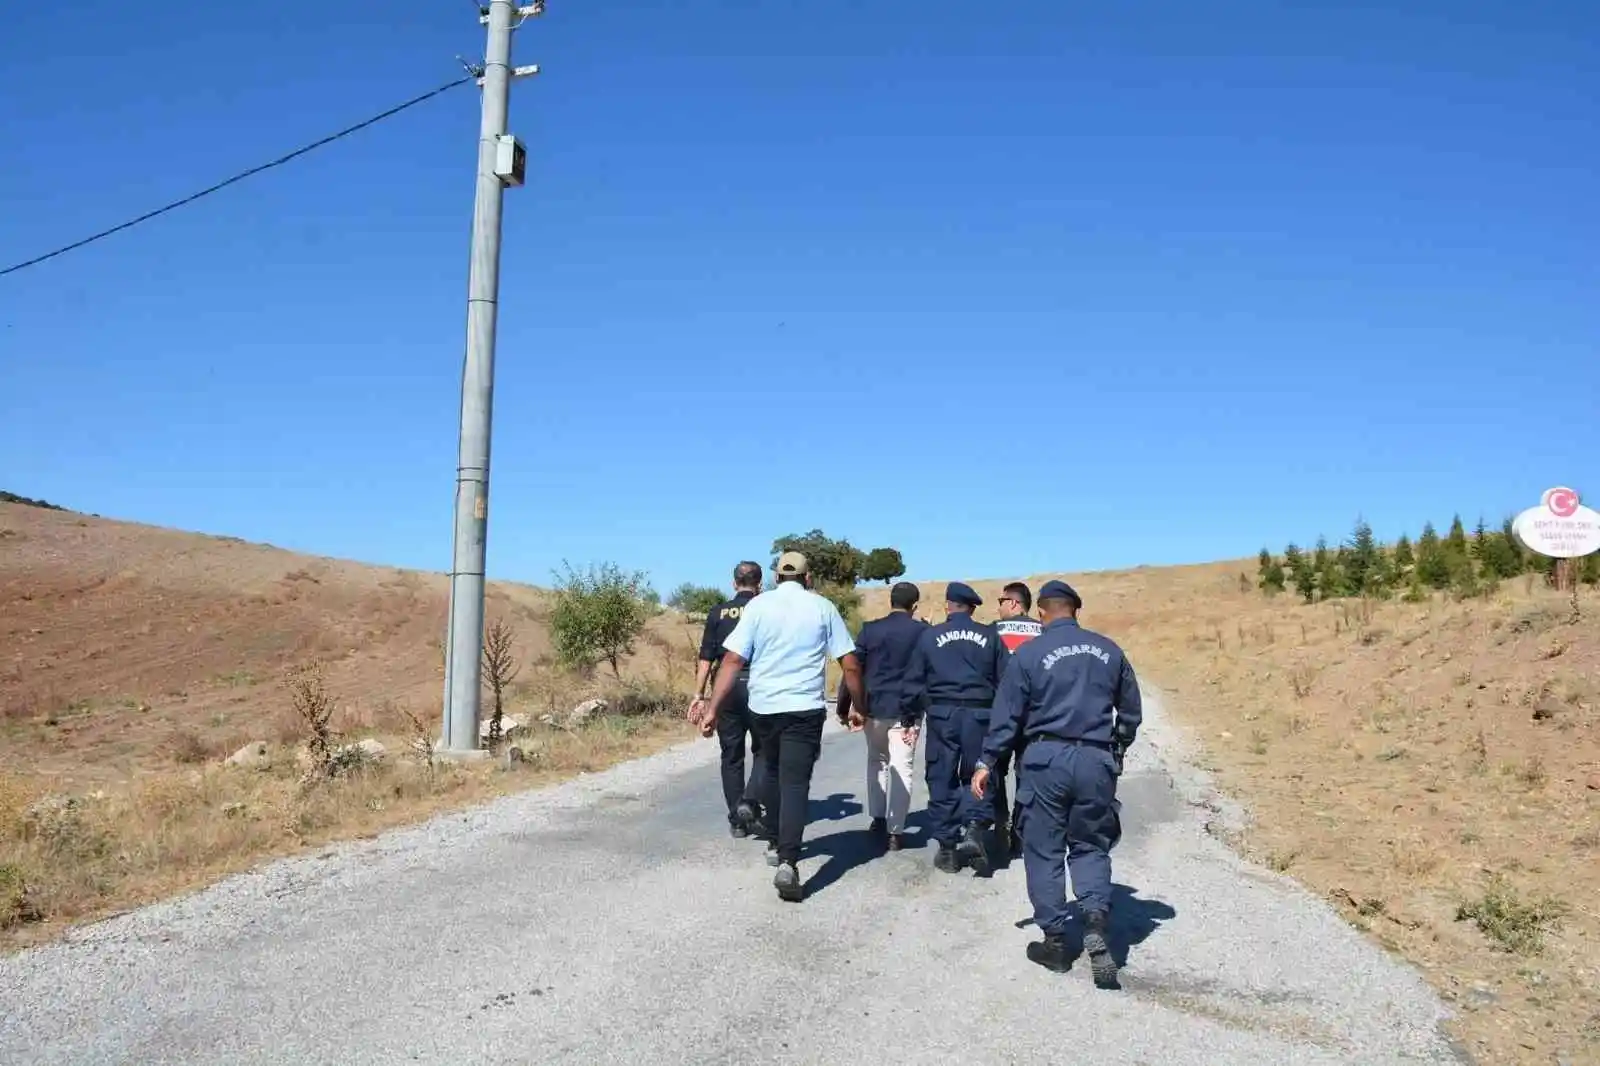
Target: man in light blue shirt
{"points": [[787, 637]]}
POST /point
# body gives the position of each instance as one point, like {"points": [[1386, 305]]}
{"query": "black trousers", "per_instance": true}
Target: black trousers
{"points": [[733, 724], [790, 745]]}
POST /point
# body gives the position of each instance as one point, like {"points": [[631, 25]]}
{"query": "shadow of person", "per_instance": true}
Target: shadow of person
{"points": [[834, 808], [1133, 920], [845, 850]]}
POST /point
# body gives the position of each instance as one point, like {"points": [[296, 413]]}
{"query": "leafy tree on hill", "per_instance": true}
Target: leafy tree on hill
{"points": [[694, 599], [883, 564], [833, 562], [1480, 540]]}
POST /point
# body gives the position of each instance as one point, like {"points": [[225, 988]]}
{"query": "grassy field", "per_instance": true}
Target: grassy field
{"points": [[137, 660], [1432, 769]]}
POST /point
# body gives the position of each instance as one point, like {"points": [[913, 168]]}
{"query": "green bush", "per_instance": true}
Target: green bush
{"points": [[598, 614]]}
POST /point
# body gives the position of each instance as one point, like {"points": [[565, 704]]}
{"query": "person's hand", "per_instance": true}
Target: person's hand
{"points": [[708, 723], [697, 710], [980, 781], [910, 733], [856, 721]]}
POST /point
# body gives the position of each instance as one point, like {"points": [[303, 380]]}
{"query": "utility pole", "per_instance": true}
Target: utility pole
{"points": [[501, 162]]}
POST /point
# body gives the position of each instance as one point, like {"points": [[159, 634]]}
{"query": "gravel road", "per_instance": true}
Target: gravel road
{"points": [[612, 920]]}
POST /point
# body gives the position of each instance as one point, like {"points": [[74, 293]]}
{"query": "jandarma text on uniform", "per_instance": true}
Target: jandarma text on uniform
{"points": [[962, 634], [1075, 649]]}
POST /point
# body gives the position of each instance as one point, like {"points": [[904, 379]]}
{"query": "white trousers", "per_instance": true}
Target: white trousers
{"points": [[889, 760]]}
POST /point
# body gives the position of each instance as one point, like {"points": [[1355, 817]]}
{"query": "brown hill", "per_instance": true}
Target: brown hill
{"points": [[122, 640]]}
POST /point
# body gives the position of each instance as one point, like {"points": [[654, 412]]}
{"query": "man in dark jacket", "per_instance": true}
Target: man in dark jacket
{"points": [[884, 649], [743, 798], [954, 671]]}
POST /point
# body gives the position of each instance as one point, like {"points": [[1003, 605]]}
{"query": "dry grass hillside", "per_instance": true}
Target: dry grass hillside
{"points": [[1433, 769], [135, 660]]}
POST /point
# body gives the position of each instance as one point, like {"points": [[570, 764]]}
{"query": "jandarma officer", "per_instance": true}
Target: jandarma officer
{"points": [[1072, 695], [953, 674]]}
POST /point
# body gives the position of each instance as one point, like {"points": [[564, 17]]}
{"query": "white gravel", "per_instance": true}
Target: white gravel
{"points": [[612, 920]]}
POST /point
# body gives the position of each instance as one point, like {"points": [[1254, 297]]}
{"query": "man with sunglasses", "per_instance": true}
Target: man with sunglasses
{"points": [[1016, 627]]}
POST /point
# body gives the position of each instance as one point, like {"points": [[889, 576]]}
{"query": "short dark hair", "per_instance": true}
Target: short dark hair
{"points": [[1019, 592], [747, 575], [904, 596]]}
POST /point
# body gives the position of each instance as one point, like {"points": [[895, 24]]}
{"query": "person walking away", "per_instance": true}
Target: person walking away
{"points": [[1016, 628], [743, 797], [883, 649], [1072, 696], [786, 637], [954, 672]]}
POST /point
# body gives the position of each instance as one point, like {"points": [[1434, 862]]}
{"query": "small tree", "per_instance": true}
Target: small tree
{"points": [[500, 668], [1455, 542], [1361, 561], [1404, 558], [1433, 565], [883, 564], [697, 600], [1300, 572], [597, 615], [1271, 573]]}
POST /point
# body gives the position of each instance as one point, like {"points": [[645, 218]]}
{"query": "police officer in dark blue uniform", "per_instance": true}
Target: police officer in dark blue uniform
{"points": [[733, 724], [955, 669], [1071, 695]]}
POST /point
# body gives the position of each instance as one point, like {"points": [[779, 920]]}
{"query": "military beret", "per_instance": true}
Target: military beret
{"points": [[960, 592], [1060, 590]]}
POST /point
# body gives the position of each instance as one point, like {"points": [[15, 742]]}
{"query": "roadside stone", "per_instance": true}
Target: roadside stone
{"points": [[253, 756], [584, 711], [510, 726]]}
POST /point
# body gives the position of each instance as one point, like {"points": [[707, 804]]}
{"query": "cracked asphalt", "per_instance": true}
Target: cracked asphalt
{"points": [[613, 920]]}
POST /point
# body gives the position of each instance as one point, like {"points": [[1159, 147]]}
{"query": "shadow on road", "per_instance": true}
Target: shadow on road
{"points": [[845, 851], [1132, 921], [834, 808]]}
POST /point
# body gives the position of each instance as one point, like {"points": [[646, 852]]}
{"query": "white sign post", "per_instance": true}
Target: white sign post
{"points": [[1561, 527]]}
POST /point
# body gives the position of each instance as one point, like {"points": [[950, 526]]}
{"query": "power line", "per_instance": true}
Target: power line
{"points": [[241, 176]]}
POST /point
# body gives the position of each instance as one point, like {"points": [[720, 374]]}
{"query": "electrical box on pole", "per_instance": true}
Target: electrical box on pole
{"points": [[510, 160]]}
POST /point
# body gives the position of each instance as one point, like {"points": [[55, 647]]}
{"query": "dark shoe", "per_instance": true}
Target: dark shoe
{"points": [[972, 851], [946, 860], [787, 882], [878, 827], [1051, 953], [747, 817], [1101, 964], [737, 828], [897, 841]]}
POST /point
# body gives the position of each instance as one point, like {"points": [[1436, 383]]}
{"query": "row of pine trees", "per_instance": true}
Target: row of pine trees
{"points": [[1467, 564]]}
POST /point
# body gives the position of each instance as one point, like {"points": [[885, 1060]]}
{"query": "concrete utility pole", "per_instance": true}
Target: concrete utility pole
{"points": [[501, 162]]}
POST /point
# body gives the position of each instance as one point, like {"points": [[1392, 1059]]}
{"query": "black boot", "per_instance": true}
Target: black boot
{"points": [[945, 859], [1051, 953], [879, 827], [1101, 964], [972, 849], [746, 820]]}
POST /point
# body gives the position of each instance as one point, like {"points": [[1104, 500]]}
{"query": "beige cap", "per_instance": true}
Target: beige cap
{"points": [[791, 564]]}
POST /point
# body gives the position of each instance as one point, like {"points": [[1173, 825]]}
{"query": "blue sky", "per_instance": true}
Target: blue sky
{"points": [[1013, 287]]}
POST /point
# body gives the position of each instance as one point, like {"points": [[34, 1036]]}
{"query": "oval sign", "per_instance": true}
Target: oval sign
{"points": [[1560, 527]]}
